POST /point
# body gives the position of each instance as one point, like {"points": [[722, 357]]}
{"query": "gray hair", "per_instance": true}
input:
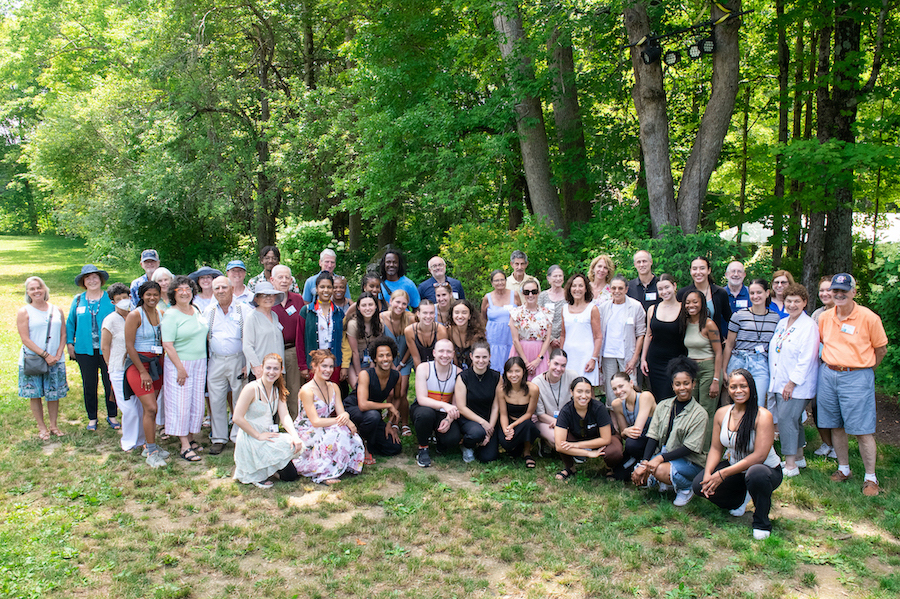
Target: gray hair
{"points": [[518, 255], [327, 252], [161, 272], [43, 284]]}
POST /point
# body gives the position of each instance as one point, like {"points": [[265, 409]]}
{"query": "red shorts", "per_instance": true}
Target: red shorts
{"points": [[134, 377]]}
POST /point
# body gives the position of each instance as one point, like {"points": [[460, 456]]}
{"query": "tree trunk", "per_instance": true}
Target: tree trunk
{"points": [[529, 115], [569, 131], [715, 122], [745, 130], [387, 234], [650, 104], [309, 61], [355, 238], [794, 221], [778, 192]]}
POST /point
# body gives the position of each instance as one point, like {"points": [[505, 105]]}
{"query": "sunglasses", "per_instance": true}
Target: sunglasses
{"points": [[529, 292]]}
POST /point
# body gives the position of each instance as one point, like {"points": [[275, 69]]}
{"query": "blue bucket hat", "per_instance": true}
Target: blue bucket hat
{"points": [[89, 269]]}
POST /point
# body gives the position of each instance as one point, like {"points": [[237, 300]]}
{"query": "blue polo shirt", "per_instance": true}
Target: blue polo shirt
{"points": [[426, 289], [741, 301]]}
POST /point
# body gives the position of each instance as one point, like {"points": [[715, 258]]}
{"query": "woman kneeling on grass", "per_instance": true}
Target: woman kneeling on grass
{"points": [[742, 464], [260, 450], [583, 428], [679, 426], [517, 400], [332, 445]]}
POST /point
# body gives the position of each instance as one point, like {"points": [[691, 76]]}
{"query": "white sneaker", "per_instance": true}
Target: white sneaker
{"points": [[664, 488], [759, 535], [801, 463], [790, 472], [154, 460], [162, 453], [740, 511], [832, 454], [468, 455], [824, 449], [683, 497]]}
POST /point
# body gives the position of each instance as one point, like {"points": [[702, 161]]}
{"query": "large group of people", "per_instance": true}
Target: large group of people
{"points": [[682, 389]]}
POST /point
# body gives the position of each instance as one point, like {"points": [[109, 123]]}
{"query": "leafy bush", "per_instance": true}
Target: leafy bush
{"points": [[885, 301], [473, 250], [301, 242]]}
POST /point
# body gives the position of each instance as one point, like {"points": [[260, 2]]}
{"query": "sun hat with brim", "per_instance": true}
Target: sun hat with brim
{"points": [[89, 269], [205, 271], [266, 288]]}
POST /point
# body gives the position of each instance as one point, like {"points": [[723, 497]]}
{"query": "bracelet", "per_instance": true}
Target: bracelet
{"points": [[716, 379], [722, 477]]}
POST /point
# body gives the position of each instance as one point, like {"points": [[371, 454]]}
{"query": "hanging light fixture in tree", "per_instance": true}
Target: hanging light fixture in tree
{"points": [[652, 52], [694, 52], [708, 44], [671, 57]]}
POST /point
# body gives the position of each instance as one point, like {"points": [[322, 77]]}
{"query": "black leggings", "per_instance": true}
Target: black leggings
{"points": [[759, 480], [473, 436], [90, 364], [426, 421], [524, 432], [371, 428], [289, 473]]}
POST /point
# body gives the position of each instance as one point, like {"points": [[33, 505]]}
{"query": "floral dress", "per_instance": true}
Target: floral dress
{"points": [[329, 451], [533, 328]]}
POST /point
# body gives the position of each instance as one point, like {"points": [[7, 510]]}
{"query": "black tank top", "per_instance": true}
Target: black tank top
{"points": [[377, 394], [426, 352]]}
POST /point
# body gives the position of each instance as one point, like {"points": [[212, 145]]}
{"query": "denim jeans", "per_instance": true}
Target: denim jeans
{"points": [[758, 365]]}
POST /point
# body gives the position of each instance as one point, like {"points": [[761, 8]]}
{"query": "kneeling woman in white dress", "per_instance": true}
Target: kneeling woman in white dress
{"points": [[260, 450]]}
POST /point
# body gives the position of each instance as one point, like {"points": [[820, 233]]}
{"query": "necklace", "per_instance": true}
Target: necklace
{"points": [[325, 397], [442, 384]]}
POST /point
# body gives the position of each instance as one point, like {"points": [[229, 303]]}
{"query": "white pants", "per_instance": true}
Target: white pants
{"points": [[222, 376], [132, 414]]}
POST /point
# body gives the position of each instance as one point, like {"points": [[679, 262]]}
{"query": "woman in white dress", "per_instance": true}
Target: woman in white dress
{"points": [[260, 450], [581, 335]]}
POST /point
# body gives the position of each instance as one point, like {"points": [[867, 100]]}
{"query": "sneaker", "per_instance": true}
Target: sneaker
{"points": [[664, 488], [683, 497], [423, 459], [839, 477], [263, 484], [759, 535], [162, 453], [824, 450], [468, 455], [790, 472], [740, 511], [579, 459], [871, 489], [801, 463], [154, 460], [832, 454]]}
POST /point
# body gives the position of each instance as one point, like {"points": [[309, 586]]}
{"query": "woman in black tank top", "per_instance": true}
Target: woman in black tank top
{"points": [[421, 336]]}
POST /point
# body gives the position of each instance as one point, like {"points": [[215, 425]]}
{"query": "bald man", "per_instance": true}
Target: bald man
{"points": [[438, 269]]}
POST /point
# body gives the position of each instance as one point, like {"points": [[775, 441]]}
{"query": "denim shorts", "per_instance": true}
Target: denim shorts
{"points": [[846, 400]]}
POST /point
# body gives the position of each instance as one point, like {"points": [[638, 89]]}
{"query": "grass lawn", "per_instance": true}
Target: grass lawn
{"points": [[81, 518]]}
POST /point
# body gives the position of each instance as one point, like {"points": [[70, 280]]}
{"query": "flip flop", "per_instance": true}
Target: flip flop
{"points": [[116, 426], [57, 432], [369, 460], [405, 431], [44, 435], [193, 458]]}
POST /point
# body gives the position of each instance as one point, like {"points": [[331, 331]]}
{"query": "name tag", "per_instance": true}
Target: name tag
{"points": [[760, 349], [280, 327], [455, 295], [234, 316], [594, 425], [650, 296], [157, 349], [740, 303], [556, 414], [848, 328], [630, 321], [273, 428], [80, 309], [291, 310]]}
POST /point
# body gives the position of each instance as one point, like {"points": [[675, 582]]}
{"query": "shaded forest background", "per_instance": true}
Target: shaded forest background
{"points": [[209, 129]]}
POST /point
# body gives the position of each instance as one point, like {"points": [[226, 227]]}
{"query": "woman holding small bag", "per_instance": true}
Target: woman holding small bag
{"points": [[41, 371]]}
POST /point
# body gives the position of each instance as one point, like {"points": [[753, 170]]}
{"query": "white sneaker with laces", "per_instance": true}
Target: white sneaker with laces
{"points": [[683, 497], [823, 449], [154, 460], [760, 535], [801, 463]]}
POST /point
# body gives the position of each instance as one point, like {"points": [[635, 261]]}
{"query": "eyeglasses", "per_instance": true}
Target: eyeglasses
{"points": [[529, 292]]}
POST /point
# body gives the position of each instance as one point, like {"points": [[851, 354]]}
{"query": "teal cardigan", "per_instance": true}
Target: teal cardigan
{"points": [[308, 325], [78, 325]]}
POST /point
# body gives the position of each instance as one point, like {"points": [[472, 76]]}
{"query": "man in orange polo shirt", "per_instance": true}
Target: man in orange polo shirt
{"points": [[853, 345]]}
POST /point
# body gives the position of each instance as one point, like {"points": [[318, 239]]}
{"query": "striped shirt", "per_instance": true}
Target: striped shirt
{"points": [[753, 330]]}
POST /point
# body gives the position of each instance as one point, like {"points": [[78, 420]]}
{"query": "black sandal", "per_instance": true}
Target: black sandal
{"points": [[193, 458], [564, 475], [196, 446], [529, 462]]}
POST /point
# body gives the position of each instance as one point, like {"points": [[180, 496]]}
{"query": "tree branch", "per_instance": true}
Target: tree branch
{"points": [[879, 45]]}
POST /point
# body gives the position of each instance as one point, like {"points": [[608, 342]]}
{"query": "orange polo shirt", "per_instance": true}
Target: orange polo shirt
{"points": [[851, 342]]}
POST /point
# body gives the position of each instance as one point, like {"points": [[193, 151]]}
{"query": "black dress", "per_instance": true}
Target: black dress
{"points": [[667, 343]]}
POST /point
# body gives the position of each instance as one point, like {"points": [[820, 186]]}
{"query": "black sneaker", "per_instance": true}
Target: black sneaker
{"points": [[423, 459]]}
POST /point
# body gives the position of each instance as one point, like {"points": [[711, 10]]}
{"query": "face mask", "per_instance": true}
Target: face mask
{"points": [[124, 304]]}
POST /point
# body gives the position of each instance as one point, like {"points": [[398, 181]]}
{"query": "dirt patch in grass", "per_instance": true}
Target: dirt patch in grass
{"points": [[887, 409]]}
